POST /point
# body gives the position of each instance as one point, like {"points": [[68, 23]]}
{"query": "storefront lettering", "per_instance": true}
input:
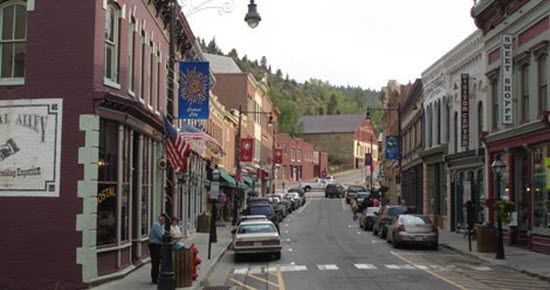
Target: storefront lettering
{"points": [[105, 194], [506, 58], [18, 172], [36, 123]]}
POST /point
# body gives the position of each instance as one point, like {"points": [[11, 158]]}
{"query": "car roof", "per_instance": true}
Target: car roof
{"points": [[256, 222], [248, 217]]}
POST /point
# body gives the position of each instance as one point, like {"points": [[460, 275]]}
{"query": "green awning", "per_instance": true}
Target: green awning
{"points": [[227, 179], [249, 181]]}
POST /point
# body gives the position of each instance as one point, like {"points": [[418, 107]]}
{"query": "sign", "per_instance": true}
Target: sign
{"points": [[506, 68], [214, 190], [247, 149], [278, 159], [392, 145], [368, 159], [194, 90], [465, 109], [30, 147]]}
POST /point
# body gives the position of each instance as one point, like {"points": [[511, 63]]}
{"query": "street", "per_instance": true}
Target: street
{"points": [[325, 249]]}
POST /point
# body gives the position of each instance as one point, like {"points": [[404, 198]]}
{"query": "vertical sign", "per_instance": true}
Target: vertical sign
{"points": [[506, 67], [30, 147], [368, 159], [194, 89], [278, 156], [247, 149], [465, 108], [392, 152]]}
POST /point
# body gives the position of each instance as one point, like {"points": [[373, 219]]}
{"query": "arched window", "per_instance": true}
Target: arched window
{"points": [[13, 37], [438, 128], [479, 121], [430, 126], [448, 124], [112, 42]]}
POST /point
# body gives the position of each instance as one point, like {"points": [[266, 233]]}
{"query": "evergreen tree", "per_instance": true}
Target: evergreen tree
{"points": [[233, 54], [279, 74], [332, 105], [263, 62]]}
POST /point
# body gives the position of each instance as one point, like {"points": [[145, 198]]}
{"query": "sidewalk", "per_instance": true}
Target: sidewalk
{"points": [[140, 279], [522, 260]]}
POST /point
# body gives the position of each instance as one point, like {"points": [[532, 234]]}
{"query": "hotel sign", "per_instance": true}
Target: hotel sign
{"points": [[30, 147], [465, 109], [506, 57]]}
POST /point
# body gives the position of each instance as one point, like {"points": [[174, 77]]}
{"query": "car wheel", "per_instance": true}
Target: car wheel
{"points": [[374, 231], [396, 244], [382, 233], [307, 188], [238, 258], [434, 247], [278, 256]]}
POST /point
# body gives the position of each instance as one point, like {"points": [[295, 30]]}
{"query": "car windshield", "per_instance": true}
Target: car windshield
{"points": [[362, 195], [257, 229], [261, 210], [372, 210], [395, 211], [356, 188], [414, 220]]}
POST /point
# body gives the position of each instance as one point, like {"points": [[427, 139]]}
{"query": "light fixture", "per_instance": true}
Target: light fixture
{"points": [[252, 17], [498, 166], [367, 116], [270, 121]]}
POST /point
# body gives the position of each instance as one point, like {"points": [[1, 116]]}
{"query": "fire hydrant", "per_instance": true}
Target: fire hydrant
{"points": [[196, 261]]}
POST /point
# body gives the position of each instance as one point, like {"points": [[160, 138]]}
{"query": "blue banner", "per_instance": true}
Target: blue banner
{"points": [[392, 147], [194, 90]]}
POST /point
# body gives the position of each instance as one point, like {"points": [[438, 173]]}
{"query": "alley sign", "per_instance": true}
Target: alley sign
{"points": [[465, 108], [506, 68]]}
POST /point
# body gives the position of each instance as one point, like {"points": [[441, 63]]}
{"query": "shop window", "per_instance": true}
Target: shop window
{"points": [[107, 183], [126, 173], [479, 122], [494, 100], [131, 53], [541, 184], [112, 39], [455, 133], [13, 37], [145, 186], [525, 93]]}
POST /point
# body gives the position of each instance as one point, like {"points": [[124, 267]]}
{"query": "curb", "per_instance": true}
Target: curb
{"points": [[517, 269], [201, 284]]}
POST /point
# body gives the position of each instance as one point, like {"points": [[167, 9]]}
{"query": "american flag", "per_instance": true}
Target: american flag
{"points": [[176, 146], [190, 132]]}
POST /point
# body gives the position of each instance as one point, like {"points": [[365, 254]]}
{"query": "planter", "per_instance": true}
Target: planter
{"points": [[203, 223], [486, 238], [183, 267]]}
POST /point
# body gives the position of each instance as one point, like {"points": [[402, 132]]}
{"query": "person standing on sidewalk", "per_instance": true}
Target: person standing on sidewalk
{"points": [[155, 246]]}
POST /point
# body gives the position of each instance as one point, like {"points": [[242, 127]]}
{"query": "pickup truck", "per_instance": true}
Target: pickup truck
{"points": [[319, 184]]}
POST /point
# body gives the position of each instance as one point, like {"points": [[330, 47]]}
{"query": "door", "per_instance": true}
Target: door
{"points": [[136, 198]]}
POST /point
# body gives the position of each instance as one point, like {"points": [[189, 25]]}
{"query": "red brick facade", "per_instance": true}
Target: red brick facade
{"points": [[301, 160]]}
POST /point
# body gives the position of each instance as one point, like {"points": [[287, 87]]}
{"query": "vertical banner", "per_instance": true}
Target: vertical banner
{"points": [[368, 159], [194, 90], [465, 109], [247, 149], [392, 151], [506, 68], [278, 159]]}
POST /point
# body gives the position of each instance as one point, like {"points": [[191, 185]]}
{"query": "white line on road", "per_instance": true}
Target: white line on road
{"points": [[290, 249], [358, 233], [377, 241], [400, 267], [480, 268], [365, 266], [288, 240], [327, 267], [292, 263], [421, 267], [286, 231]]}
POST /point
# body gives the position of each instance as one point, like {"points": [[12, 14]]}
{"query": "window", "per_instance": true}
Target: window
{"points": [[455, 133], [125, 205], [107, 183], [13, 28], [448, 116], [479, 121], [494, 100], [541, 200], [131, 52], [525, 93], [145, 186], [159, 82], [112, 25], [438, 123], [151, 76], [142, 67], [543, 83]]}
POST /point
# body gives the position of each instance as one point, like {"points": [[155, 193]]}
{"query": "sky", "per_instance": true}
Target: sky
{"points": [[347, 42]]}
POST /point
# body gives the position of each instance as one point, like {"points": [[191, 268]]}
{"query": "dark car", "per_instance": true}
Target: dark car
{"points": [[299, 191], [367, 218], [334, 189], [266, 209], [385, 216], [352, 192]]}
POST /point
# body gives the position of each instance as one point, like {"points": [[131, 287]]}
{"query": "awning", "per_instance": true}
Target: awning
{"points": [[227, 179], [248, 180]]}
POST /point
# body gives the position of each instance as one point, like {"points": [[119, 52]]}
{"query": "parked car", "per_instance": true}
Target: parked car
{"points": [[293, 202], [361, 196], [277, 202], [334, 189], [319, 184], [328, 178], [413, 229], [385, 216], [247, 218], [352, 191], [298, 190], [296, 196], [367, 218], [256, 237], [260, 208]]}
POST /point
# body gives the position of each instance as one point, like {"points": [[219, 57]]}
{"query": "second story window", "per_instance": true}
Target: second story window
{"points": [[131, 53], [13, 29], [494, 99], [112, 26], [543, 83], [525, 93]]}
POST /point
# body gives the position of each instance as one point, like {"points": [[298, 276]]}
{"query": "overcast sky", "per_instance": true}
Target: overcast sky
{"points": [[357, 42]]}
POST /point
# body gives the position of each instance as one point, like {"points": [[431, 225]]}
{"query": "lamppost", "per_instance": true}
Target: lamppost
{"points": [[252, 17], [498, 167], [214, 194]]}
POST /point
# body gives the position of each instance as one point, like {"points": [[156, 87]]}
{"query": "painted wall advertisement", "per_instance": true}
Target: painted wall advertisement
{"points": [[30, 147], [465, 108], [507, 69]]}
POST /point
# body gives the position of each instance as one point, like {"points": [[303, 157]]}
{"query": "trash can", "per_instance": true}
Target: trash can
{"points": [[183, 267], [203, 223], [486, 238]]}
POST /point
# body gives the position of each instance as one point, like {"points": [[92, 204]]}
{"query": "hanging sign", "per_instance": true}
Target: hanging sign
{"points": [[194, 90], [465, 108], [368, 159], [392, 152], [506, 68], [278, 159], [30, 147], [247, 149]]}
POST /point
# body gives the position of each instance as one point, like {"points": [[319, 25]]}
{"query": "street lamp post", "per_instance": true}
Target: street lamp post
{"points": [[214, 194], [498, 167]]}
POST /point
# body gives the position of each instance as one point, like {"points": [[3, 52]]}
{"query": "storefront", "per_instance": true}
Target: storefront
{"points": [[412, 181], [435, 192]]}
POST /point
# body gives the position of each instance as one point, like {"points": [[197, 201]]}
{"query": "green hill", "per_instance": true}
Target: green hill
{"points": [[294, 99]]}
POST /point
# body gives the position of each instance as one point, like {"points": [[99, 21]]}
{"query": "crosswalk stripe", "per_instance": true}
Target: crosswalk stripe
{"points": [[480, 268], [365, 266], [421, 267], [399, 267], [327, 267]]}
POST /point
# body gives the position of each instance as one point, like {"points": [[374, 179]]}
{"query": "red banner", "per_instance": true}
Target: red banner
{"points": [[247, 149], [278, 158]]}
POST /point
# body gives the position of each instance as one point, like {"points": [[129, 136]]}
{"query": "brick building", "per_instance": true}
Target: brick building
{"points": [[95, 81]]}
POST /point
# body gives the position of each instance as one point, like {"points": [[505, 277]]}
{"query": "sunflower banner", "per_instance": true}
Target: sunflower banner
{"points": [[194, 90]]}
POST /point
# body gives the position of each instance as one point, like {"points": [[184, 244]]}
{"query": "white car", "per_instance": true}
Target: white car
{"points": [[329, 178], [257, 237], [319, 184]]}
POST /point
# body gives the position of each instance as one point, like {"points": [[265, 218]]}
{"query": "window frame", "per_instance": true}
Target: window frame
{"points": [[524, 93], [10, 81], [132, 35], [542, 82], [114, 80], [494, 100]]}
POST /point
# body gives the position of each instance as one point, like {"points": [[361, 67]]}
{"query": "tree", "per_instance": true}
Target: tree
{"points": [[269, 68], [233, 54], [279, 74], [245, 58], [332, 104], [263, 62], [213, 47]]}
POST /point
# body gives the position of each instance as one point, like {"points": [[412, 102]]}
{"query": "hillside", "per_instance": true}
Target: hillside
{"points": [[294, 99]]}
